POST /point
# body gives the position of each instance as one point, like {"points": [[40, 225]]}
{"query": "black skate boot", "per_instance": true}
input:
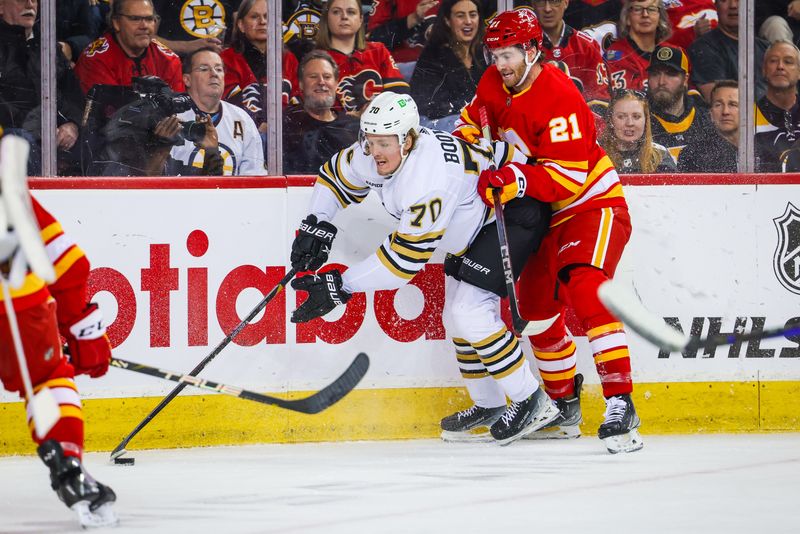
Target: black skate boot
{"points": [[567, 424], [471, 424], [91, 500], [619, 429], [522, 418]]}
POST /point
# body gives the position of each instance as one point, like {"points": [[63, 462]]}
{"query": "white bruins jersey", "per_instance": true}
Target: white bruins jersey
{"points": [[433, 195], [239, 143]]}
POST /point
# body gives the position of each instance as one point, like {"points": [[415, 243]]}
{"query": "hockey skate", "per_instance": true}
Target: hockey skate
{"points": [[619, 429], [90, 500], [471, 424], [522, 418], [567, 424]]}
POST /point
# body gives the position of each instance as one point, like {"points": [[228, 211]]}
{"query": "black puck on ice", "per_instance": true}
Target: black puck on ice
{"points": [[124, 461]]}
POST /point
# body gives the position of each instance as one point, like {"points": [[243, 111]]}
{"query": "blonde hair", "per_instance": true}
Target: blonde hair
{"points": [[324, 33], [663, 30], [649, 157]]}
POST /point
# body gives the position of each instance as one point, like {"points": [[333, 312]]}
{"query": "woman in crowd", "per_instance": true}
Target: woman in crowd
{"points": [[643, 24], [627, 138], [366, 68], [448, 70]]}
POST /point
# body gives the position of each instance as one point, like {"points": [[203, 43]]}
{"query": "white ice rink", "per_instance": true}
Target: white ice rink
{"points": [[705, 483]]}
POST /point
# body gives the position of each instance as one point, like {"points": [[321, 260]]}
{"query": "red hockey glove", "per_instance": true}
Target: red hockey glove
{"points": [[87, 343], [509, 179]]}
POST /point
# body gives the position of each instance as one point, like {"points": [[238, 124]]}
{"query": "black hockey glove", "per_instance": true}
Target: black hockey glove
{"points": [[312, 244], [324, 294]]}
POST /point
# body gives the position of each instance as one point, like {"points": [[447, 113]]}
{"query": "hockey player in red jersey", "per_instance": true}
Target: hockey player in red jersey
{"points": [[536, 107], [43, 310]]}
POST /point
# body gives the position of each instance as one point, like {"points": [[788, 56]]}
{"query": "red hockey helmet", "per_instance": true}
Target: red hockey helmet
{"points": [[517, 27]]}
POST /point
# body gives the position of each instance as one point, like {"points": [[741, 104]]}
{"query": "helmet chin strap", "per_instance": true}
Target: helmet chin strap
{"points": [[528, 67]]}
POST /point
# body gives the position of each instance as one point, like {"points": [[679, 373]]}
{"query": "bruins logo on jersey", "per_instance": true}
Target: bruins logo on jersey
{"points": [[355, 91], [202, 18], [97, 47], [303, 24], [229, 163]]}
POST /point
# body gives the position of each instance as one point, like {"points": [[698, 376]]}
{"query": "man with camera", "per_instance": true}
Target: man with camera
{"points": [[238, 141]]}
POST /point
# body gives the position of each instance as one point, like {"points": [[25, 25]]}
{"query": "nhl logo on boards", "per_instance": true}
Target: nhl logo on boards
{"points": [[664, 54], [786, 261]]}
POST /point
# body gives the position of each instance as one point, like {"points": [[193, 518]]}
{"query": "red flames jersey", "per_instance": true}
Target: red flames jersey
{"points": [[683, 14], [104, 62], [578, 55], [384, 11], [551, 122], [627, 65], [365, 73], [239, 75]]}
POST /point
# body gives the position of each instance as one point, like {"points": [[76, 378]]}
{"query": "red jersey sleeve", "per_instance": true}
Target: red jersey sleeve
{"points": [[392, 78], [91, 68]]}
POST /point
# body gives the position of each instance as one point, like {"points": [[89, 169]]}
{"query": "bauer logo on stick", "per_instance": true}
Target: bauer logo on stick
{"points": [[786, 261]]}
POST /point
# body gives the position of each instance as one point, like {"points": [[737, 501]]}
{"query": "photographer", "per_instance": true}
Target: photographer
{"points": [[239, 143]]}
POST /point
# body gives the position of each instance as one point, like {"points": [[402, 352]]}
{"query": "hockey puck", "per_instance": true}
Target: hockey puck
{"points": [[124, 461]]}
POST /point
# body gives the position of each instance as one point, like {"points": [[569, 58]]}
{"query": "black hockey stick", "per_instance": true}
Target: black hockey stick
{"points": [[120, 449], [322, 399], [520, 326], [630, 311]]}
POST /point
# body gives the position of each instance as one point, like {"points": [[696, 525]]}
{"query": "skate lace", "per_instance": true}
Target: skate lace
{"points": [[468, 412], [615, 410], [510, 413]]}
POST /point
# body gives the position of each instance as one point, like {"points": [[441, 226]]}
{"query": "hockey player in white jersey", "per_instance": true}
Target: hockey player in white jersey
{"points": [[427, 180], [239, 140]]}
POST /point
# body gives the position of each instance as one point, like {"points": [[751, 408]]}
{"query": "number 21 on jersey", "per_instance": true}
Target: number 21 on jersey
{"points": [[564, 129]]}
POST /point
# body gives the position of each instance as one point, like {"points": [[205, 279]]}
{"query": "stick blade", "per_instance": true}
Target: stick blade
{"points": [[340, 387], [630, 311], [45, 410]]}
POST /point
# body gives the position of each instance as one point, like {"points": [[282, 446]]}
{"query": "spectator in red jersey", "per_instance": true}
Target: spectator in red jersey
{"points": [[573, 52], [690, 19], [246, 63], [129, 50], [366, 67], [643, 24], [628, 140], [447, 72], [402, 25]]}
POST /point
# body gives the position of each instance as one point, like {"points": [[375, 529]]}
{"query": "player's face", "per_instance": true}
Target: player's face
{"points": [[781, 67], [550, 13], [20, 12], [643, 17], [254, 24], [464, 20], [725, 110], [628, 120], [344, 18], [510, 63], [136, 26], [666, 86], [318, 85], [385, 150], [207, 78]]}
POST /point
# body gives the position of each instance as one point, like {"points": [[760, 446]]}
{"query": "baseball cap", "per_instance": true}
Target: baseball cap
{"points": [[671, 57]]}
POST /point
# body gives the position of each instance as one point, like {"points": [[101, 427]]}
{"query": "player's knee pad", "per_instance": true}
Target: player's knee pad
{"points": [[582, 285]]}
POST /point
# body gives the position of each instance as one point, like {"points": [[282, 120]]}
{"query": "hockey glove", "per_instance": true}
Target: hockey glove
{"points": [[324, 294], [88, 346], [509, 179], [312, 244]]}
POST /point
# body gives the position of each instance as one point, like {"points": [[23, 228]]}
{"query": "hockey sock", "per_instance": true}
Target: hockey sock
{"points": [[555, 357], [482, 388], [501, 354], [606, 335], [69, 429]]}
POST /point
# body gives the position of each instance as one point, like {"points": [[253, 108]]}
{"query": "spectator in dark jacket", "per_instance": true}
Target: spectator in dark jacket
{"points": [[78, 23], [448, 70], [718, 151]]}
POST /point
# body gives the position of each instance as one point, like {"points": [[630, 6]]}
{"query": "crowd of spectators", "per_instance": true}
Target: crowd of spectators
{"points": [[658, 74]]}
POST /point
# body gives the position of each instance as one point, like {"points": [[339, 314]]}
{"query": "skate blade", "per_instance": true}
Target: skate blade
{"points": [[104, 516], [476, 435], [540, 420], [556, 432], [630, 442]]}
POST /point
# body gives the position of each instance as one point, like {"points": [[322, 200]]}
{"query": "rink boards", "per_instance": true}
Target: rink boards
{"points": [[177, 263]]}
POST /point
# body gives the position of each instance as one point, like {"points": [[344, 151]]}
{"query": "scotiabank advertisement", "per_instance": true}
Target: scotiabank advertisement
{"points": [[175, 270]]}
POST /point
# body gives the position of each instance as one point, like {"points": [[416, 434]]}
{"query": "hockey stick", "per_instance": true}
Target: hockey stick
{"points": [[322, 399], [120, 449], [520, 326], [630, 311]]}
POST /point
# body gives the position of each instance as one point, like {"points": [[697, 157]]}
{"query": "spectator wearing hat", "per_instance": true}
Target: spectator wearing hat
{"points": [[680, 117], [718, 152]]}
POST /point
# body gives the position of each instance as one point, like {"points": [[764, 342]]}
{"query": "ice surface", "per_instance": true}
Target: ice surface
{"points": [[704, 483]]}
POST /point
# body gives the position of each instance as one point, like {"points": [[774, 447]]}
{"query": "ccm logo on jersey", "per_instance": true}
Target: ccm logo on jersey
{"points": [[316, 232], [477, 266]]}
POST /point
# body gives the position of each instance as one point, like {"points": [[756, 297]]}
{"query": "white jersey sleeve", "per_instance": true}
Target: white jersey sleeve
{"points": [[337, 186], [252, 157]]}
